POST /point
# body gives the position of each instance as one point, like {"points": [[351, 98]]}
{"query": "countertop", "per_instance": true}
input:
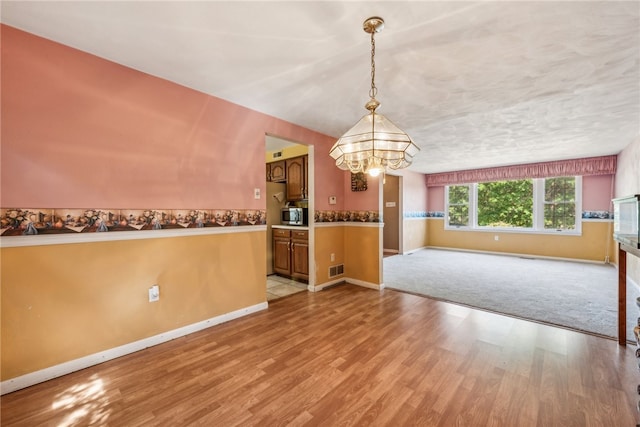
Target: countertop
{"points": [[291, 227]]}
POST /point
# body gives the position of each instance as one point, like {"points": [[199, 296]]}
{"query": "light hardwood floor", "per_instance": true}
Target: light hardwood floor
{"points": [[351, 356]]}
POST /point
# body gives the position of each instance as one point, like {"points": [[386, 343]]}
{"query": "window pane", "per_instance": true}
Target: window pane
{"points": [[459, 215], [458, 209], [458, 194], [559, 203], [506, 204]]}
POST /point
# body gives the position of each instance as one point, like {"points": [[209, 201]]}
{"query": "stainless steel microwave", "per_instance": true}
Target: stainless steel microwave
{"points": [[294, 216]]}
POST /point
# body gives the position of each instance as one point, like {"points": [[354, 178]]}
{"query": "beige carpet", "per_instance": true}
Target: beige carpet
{"points": [[575, 295]]}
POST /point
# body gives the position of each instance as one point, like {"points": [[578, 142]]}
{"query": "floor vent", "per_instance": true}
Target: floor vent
{"points": [[336, 270]]}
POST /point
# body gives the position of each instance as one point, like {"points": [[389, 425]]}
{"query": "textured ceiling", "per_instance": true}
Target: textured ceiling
{"points": [[475, 84]]}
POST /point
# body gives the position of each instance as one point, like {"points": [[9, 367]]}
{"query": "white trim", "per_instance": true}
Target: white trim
{"points": [[349, 224], [417, 249], [42, 375], [519, 255], [66, 238], [349, 281], [365, 284], [325, 285]]}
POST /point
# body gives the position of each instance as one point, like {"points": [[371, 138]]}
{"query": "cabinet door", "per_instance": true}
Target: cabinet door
{"points": [[295, 179], [300, 255], [277, 171], [281, 255]]}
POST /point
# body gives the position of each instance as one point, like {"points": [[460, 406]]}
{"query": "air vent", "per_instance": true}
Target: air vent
{"points": [[336, 270], [277, 154]]}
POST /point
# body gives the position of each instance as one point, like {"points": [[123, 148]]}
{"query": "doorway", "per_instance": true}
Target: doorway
{"points": [[278, 151], [392, 215]]}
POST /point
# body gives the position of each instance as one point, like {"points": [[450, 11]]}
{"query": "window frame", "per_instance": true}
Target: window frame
{"points": [[538, 210]]}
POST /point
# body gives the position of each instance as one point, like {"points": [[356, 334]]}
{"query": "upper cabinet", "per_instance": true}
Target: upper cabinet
{"points": [[293, 172], [276, 171], [296, 170]]}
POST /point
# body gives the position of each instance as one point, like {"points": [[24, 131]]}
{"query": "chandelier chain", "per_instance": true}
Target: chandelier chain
{"points": [[374, 90]]}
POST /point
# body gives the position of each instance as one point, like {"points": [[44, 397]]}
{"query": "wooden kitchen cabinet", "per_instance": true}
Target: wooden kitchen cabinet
{"points": [[291, 253], [300, 254], [281, 252], [296, 171], [276, 171]]}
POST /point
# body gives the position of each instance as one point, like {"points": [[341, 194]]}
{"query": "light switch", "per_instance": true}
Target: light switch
{"points": [[256, 193]]}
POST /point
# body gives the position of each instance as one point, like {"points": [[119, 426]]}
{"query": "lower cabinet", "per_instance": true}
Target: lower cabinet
{"points": [[291, 253]]}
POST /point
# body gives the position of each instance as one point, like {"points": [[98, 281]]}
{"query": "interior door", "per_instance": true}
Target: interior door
{"points": [[391, 214]]}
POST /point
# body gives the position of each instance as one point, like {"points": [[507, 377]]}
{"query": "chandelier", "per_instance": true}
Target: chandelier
{"points": [[374, 143]]}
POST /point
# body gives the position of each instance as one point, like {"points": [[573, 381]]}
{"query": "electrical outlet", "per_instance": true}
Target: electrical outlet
{"points": [[154, 293], [496, 237], [333, 257]]}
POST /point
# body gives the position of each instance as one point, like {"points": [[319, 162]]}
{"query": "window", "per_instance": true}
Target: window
{"points": [[560, 203], [536, 205], [505, 204], [458, 205]]}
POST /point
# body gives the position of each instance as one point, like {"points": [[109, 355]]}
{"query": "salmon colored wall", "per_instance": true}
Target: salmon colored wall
{"points": [[435, 199], [64, 302], [368, 200], [363, 249], [597, 192], [329, 240], [415, 234], [593, 245], [80, 131], [414, 191]]}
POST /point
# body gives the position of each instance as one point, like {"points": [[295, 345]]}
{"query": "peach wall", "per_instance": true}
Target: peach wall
{"points": [[329, 240], [80, 131], [414, 234], [594, 244], [63, 302], [363, 253]]}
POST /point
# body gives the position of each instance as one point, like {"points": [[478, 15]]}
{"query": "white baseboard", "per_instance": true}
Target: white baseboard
{"points": [[416, 250], [365, 284], [42, 375], [517, 255], [325, 285], [347, 280]]}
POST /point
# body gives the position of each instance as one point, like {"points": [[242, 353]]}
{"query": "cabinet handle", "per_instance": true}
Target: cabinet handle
{"points": [[292, 245]]}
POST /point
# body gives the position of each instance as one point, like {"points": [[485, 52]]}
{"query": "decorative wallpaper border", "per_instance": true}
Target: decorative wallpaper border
{"points": [[346, 216], [440, 214], [31, 221], [423, 214], [597, 215]]}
